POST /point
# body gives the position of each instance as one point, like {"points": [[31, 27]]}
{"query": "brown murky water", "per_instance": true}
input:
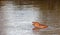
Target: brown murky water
{"points": [[16, 17]]}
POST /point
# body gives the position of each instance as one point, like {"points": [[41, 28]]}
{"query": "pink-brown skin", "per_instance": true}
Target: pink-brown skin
{"points": [[37, 26]]}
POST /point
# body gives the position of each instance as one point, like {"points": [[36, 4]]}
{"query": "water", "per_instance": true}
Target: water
{"points": [[17, 19]]}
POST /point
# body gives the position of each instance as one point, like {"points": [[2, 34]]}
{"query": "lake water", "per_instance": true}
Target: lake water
{"points": [[16, 17]]}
